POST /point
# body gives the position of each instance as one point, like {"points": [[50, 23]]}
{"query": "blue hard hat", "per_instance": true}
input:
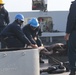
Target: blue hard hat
{"points": [[33, 22], [19, 17]]}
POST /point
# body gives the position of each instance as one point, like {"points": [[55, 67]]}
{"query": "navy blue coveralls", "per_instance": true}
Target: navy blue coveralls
{"points": [[71, 29], [4, 20], [13, 36], [30, 34]]}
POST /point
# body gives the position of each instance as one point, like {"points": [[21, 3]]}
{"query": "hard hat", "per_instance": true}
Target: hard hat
{"points": [[33, 22], [19, 17], [1, 2]]}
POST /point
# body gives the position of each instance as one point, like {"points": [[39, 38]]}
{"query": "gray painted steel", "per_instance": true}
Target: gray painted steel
{"points": [[20, 62]]}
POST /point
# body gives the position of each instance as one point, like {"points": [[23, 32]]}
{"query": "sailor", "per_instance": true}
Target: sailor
{"points": [[32, 31], [71, 37], [12, 35], [4, 18]]}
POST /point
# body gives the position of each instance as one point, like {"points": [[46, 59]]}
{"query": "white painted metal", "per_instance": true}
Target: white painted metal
{"points": [[59, 17], [48, 34], [21, 62]]}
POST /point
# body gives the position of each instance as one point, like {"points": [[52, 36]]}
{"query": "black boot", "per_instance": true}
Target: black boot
{"points": [[72, 73]]}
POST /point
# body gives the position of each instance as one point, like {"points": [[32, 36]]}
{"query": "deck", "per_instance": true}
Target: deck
{"points": [[46, 65]]}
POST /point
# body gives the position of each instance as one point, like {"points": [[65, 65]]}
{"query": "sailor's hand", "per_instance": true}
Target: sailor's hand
{"points": [[40, 48], [34, 46], [66, 37], [35, 38]]}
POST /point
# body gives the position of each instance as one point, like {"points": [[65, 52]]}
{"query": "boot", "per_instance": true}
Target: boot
{"points": [[72, 73]]}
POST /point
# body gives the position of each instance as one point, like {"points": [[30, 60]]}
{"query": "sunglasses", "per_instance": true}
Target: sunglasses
{"points": [[22, 21], [33, 27]]}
